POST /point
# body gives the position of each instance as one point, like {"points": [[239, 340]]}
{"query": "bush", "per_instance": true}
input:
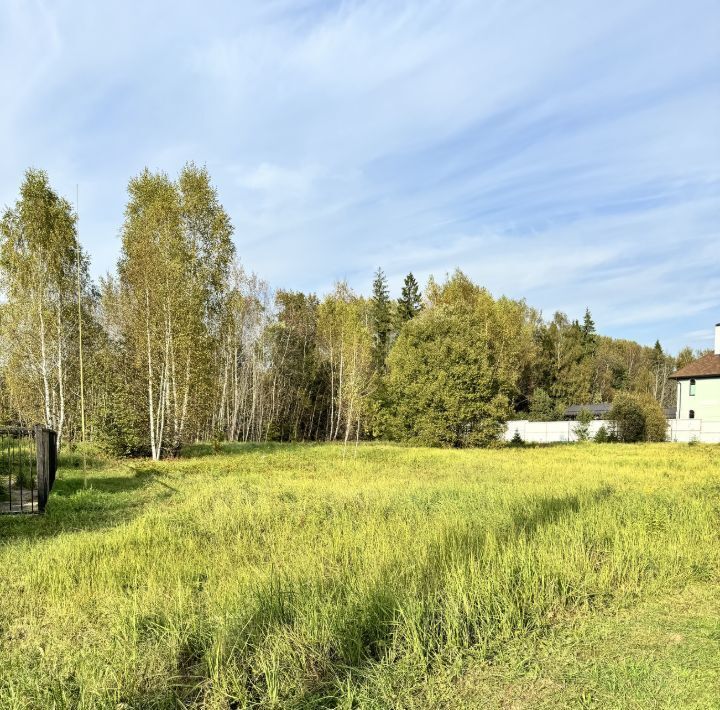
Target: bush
{"points": [[638, 418], [516, 439], [582, 428], [602, 436], [655, 421], [444, 384]]}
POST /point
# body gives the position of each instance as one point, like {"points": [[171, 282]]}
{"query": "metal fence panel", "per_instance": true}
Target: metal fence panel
{"points": [[28, 463]]}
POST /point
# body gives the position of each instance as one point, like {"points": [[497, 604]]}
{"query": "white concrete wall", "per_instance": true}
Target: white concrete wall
{"points": [[704, 430], [683, 430], [549, 432], [705, 402]]}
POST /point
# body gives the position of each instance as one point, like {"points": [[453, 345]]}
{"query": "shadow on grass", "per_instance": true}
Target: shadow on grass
{"points": [[88, 502], [367, 634], [194, 451]]}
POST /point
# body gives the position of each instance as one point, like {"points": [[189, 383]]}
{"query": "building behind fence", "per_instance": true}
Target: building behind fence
{"points": [[682, 430], [28, 462]]}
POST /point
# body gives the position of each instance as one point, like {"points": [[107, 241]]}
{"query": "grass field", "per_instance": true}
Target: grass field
{"points": [[294, 576]]}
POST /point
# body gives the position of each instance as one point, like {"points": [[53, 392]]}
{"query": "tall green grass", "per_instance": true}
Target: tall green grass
{"points": [[301, 576]]}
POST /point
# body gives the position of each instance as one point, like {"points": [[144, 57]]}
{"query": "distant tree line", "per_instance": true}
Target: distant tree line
{"points": [[182, 344]]}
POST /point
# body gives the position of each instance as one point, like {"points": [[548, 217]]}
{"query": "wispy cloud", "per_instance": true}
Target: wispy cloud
{"points": [[567, 153]]}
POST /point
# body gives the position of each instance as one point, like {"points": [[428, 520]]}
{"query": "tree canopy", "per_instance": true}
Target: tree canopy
{"points": [[183, 344]]}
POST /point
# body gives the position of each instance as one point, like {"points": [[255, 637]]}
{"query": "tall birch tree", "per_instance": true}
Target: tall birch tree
{"points": [[42, 266]]}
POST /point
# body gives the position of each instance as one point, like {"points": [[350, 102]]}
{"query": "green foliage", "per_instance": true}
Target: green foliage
{"points": [[685, 357], [119, 430], [181, 344], [167, 303], [346, 346], [516, 439], [588, 332], [455, 367], [655, 420], [381, 318], [638, 418], [602, 436], [410, 301], [42, 272], [628, 417], [542, 408], [293, 340], [582, 427]]}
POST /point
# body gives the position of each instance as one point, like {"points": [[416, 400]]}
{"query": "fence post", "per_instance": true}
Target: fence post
{"points": [[52, 458], [42, 450]]}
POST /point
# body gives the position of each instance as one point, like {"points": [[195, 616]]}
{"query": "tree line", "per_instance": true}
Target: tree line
{"points": [[182, 344]]}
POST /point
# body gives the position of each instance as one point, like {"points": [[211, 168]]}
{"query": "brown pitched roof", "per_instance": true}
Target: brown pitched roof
{"points": [[707, 366]]}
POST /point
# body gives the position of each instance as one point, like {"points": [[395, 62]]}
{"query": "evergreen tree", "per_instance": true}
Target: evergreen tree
{"points": [[589, 335], [658, 356], [381, 315], [588, 326], [410, 301]]}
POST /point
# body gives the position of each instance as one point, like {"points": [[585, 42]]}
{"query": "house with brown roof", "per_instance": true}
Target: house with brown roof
{"points": [[698, 386]]}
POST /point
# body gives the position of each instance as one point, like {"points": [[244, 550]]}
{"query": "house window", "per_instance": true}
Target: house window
{"points": [[692, 388], [692, 414]]}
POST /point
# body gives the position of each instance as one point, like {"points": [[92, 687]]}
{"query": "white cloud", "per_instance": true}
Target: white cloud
{"points": [[568, 153]]}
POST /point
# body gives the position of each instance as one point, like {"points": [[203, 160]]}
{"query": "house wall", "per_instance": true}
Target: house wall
{"points": [[682, 430], [706, 401]]}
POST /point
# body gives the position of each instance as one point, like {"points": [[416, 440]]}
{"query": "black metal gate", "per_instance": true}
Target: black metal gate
{"points": [[28, 462]]}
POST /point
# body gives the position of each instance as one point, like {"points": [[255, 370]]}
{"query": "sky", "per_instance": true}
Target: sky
{"points": [[567, 153]]}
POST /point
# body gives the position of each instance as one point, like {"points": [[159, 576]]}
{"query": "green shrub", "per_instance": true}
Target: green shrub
{"points": [[655, 420], [582, 428], [516, 439], [446, 384], [602, 436], [638, 418]]}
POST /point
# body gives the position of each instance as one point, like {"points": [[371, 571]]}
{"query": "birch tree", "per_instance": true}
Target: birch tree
{"points": [[173, 283], [41, 268], [345, 341]]}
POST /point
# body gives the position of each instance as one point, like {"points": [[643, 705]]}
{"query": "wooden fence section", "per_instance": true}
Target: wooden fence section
{"points": [[28, 463]]}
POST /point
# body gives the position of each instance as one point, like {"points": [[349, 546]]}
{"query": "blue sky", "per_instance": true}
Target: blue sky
{"points": [[565, 152]]}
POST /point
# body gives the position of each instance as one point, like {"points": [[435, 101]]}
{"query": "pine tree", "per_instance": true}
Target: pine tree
{"points": [[380, 311], [410, 301]]}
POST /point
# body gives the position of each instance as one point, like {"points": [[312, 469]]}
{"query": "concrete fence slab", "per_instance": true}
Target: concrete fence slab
{"points": [[681, 430]]}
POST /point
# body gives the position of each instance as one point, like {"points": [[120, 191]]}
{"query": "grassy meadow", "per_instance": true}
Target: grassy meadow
{"points": [[301, 576]]}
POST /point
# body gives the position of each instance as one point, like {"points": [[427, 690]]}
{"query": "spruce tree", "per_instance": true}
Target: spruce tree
{"points": [[381, 319], [658, 355], [410, 301], [588, 326], [589, 336]]}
